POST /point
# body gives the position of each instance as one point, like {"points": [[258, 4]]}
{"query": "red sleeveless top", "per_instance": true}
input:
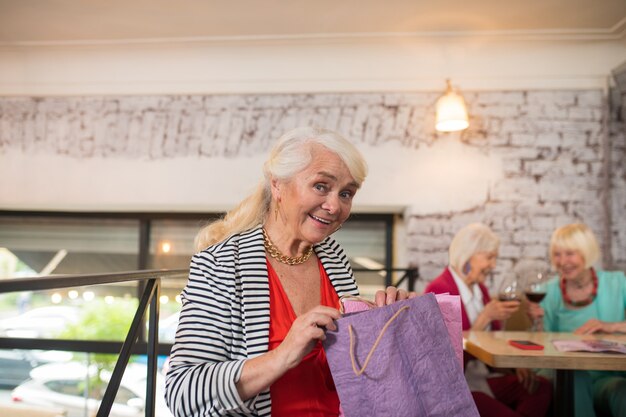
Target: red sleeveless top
{"points": [[308, 389]]}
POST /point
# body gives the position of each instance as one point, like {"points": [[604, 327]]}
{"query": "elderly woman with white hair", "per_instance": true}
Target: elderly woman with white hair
{"points": [[472, 257], [265, 285], [585, 300]]}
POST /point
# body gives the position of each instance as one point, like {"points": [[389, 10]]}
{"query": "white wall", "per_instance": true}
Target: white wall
{"points": [[205, 152], [202, 116], [309, 65]]}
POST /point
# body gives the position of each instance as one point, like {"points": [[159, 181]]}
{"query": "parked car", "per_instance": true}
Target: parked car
{"points": [[40, 322], [16, 364], [66, 385]]}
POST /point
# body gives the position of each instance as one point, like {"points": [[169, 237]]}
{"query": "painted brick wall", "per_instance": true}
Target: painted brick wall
{"points": [[618, 191], [550, 144]]}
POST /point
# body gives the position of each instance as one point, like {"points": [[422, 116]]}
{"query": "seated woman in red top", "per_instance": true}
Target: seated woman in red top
{"points": [[473, 253], [265, 286]]}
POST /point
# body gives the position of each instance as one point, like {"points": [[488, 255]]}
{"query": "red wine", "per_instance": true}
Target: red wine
{"points": [[535, 297], [509, 296]]}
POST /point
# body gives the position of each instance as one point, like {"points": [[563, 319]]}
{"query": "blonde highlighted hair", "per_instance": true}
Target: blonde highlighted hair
{"points": [[578, 237], [291, 154], [470, 240]]}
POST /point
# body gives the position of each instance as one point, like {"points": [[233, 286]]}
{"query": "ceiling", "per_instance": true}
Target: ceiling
{"points": [[50, 21]]}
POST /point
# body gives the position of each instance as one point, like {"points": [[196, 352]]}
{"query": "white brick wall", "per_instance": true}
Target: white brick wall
{"points": [[549, 143], [618, 191], [552, 161]]}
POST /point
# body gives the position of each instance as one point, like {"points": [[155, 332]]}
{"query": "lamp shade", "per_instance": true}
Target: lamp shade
{"points": [[451, 112]]}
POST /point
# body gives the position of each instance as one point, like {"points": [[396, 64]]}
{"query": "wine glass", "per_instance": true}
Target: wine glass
{"points": [[535, 291], [509, 289]]}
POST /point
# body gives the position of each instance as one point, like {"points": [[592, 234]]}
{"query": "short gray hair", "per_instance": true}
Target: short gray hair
{"points": [[470, 240]]}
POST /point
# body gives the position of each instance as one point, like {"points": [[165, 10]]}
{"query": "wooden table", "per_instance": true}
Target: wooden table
{"points": [[493, 349]]}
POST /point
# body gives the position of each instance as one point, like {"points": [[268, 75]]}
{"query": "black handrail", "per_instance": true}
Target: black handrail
{"points": [[122, 361], [65, 281], [149, 297]]}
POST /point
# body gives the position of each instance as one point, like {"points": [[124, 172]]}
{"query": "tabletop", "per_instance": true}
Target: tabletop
{"points": [[493, 349]]}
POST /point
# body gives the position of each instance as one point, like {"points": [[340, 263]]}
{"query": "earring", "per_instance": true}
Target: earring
{"points": [[467, 268], [276, 212]]}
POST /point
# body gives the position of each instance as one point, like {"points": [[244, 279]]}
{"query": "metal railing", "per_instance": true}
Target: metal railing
{"points": [[149, 297], [132, 344]]}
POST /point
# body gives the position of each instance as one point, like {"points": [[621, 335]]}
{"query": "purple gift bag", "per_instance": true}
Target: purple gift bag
{"points": [[399, 363]]}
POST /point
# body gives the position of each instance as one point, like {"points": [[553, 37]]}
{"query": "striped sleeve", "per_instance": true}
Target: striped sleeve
{"points": [[209, 351], [225, 320]]}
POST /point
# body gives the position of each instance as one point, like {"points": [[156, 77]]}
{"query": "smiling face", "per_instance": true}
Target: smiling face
{"points": [[569, 263], [481, 264], [316, 201]]}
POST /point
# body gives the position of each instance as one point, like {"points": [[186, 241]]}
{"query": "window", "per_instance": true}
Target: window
{"points": [[47, 245], [365, 241], [79, 243], [52, 245]]}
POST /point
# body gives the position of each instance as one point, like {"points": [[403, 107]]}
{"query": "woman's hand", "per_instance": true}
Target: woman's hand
{"points": [[500, 310], [305, 331], [391, 295], [528, 379], [534, 311], [594, 325], [262, 371], [494, 310]]}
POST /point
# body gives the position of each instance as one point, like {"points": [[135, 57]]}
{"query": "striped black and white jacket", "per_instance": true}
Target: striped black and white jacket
{"points": [[225, 320]]}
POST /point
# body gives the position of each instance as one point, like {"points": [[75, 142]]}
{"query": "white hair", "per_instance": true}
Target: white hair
{"points": [[292, 153], [578, 237], [470, 240]]}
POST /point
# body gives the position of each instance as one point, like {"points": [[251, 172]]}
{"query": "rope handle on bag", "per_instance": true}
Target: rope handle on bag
{"points": [[358, 372]]}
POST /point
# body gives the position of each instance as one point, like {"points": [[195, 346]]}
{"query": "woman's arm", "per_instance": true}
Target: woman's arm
{"points": [[594, 325], [208, 355], [495, 310]]}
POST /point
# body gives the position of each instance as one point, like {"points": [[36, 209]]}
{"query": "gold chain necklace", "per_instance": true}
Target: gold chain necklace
{"points": [[275, 253]]}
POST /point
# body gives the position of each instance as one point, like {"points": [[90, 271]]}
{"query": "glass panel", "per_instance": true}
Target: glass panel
{"points": [[52, 245], [365, 244], [69, 383], [102, 312], [171, 247], [168, 322], [172, 243]]}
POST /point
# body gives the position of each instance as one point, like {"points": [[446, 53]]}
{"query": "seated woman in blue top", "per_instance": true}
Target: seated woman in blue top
{"points": [[585, 300]]}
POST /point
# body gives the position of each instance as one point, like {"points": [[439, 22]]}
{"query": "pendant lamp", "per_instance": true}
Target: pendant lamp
{"points": [[451, 111]]}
